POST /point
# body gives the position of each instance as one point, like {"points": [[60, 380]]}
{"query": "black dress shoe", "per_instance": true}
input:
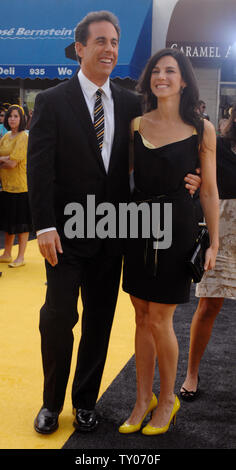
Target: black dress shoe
{"points": [[46, 421], [85, 420]]}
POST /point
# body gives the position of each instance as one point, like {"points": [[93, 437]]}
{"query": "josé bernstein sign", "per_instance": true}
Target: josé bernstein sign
{"points": [[32, 57], [22, 32]]}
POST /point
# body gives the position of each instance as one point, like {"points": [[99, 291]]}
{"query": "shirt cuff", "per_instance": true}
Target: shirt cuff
{"points": [[39, 232]]}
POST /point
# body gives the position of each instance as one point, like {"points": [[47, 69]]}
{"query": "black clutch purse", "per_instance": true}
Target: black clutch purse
{"points": [[150, 258], [197, 259]]}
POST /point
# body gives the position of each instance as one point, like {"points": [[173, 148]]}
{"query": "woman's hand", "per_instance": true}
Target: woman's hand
{"points": [[193, 182], [210, 258], [7, 163], [4, 159]]}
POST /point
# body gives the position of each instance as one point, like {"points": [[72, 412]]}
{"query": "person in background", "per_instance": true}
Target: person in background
{"points": [[3, 129], [16, 217], [223, 122], [29, 119], [219, 283], [201, 109]]}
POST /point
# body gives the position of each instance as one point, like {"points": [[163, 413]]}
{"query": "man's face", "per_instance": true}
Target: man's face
{"points": [[100, 54], [202, 108]]}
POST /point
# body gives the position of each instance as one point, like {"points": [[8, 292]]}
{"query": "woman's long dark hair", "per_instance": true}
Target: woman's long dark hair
{"points": [[230, 129], [189, 96]]}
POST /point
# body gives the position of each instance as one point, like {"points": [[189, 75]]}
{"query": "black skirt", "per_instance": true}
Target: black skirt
{"points": [[161, 275], [15, 213], [1, 210]]}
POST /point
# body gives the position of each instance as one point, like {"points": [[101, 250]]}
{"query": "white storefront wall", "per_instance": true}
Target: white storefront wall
{"points": [[209, 86], [208, 77]]}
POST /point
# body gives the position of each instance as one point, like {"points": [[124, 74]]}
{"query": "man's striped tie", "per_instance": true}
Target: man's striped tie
{"points": [[99, 118]]}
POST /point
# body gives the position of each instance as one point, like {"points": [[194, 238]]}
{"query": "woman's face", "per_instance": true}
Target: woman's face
{"points": [[166, 79], [14, 120]]}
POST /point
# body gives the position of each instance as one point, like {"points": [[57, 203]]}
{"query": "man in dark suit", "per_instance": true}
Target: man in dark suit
{"points": [[66, 162]]}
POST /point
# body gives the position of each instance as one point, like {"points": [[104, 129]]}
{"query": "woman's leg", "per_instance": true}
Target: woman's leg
{"points": [[9, 240], [200, 333], [161, 324], [145, 356], [23, 239]]}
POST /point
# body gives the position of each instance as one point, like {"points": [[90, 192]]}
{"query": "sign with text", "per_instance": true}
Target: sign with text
{"points": [[205, 51], [23, 32], [28, 71]]}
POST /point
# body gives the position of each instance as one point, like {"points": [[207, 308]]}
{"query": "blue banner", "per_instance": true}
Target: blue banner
{"points": [[35, 36]]}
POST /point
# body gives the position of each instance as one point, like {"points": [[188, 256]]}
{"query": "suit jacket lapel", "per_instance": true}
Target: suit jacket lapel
{"points": [[79, 106]]}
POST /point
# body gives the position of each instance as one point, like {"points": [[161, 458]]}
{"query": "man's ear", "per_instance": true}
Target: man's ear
{"points": [[79, 48]]}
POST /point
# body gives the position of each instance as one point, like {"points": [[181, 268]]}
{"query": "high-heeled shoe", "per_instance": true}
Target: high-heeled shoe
{"points": [[127, 428], [190, 395], [151, 430]]}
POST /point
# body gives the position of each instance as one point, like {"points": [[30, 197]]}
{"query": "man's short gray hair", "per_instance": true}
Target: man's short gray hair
{"points": [[82, 31]]}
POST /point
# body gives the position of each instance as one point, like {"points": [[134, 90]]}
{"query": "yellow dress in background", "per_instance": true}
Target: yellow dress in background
{"points": [[14, 180]]}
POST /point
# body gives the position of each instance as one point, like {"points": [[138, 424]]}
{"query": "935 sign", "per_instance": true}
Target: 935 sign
{"points": [[37, 71]]}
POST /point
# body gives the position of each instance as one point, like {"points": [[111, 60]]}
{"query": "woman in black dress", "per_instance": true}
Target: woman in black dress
{"points": [[169, 140]]}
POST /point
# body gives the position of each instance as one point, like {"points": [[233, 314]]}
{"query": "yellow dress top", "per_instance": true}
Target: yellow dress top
{"points": [[14, 180]]}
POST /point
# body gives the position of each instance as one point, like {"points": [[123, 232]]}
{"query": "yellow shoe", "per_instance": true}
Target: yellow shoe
{"points": [[6, 259], [127, 428], [16, 264], [151, 430]]}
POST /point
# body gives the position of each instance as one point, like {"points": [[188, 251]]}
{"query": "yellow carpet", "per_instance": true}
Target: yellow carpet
{"points": [[22, 294]]}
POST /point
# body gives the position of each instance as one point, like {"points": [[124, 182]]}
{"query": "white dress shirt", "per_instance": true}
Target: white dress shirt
{"points": [[89, 91]]}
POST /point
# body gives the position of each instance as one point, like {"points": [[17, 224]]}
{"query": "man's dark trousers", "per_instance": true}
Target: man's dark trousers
{"points": [[99, 279]]}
